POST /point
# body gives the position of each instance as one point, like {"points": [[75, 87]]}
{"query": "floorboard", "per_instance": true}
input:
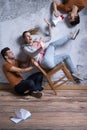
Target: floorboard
{"points": [[66, 111]]}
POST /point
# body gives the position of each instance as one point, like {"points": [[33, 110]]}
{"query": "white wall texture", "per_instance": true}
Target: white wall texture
{"points": [[17, 16]]}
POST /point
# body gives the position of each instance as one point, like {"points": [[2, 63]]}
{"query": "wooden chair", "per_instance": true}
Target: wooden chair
{"points": [[55, 84]]}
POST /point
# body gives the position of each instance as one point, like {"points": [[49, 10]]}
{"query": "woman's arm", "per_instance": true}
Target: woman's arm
{"points": [[31, 51]]}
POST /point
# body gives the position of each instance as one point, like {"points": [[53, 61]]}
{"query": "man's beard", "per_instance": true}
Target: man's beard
{"points": [[11, 58]]}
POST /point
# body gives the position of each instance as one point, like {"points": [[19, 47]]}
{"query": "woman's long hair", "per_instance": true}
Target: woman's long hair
{"points": [[34, 30]]}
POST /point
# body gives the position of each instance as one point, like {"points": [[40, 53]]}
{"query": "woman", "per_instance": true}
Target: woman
{"points": [[46, 55]]}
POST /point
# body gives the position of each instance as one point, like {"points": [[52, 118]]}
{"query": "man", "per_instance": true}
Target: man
{"points": [[12, 69], [72, 7]]}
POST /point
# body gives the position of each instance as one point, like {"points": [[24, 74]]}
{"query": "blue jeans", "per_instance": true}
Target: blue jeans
{"points": [[32, 83], [50, 60]]}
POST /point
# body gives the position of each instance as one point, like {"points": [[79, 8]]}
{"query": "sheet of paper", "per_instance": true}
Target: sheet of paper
{"points": [[16, 120], [21, 114]]}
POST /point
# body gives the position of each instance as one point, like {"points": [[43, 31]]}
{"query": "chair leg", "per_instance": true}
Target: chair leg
{"points": [[68, 74], [51, 85]]}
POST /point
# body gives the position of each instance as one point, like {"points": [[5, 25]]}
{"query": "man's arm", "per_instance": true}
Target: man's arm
{"points": [[55, 4], [20, 70], [75, 9], [58, 6]]}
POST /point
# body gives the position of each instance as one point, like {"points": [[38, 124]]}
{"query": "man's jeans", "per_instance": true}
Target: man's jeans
{"points": [[32, 83], [50, 60]]}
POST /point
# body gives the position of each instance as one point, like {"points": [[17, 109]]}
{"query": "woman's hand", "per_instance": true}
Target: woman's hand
{"points": [[41, 41]]}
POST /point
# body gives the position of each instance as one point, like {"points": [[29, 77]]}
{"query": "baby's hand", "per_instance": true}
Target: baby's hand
{"points": [[56, 14]]}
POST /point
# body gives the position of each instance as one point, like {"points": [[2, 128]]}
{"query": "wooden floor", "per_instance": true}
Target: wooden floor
{"points": [[66, 111]]}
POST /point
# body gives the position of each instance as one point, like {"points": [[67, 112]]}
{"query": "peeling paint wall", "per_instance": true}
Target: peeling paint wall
{"points": [[17, 16]]}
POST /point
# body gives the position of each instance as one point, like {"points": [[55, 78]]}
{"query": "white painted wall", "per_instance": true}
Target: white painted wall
{"points": [[18, 16]]}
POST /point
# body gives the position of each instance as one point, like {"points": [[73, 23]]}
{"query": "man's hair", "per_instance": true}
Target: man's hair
{"points": [[76, 21], [3, 51]]}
